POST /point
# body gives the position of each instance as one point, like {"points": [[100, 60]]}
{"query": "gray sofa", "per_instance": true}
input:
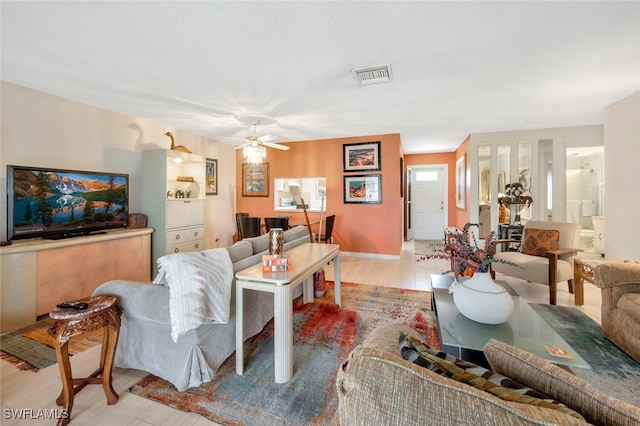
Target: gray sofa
{"points": [[145, 341]]}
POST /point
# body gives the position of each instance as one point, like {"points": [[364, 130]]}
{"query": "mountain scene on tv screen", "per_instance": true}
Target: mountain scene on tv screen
{"points": [[59, 201]]}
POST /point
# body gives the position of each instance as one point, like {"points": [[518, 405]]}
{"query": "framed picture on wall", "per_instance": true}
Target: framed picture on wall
{"points": [[461, 186], [212, 176], [361, 157], [361, 189], [255, 180]]}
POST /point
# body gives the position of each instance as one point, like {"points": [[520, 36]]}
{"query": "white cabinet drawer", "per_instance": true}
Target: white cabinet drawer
{"points": [[185, 235], [185, 213], [186, 246]]}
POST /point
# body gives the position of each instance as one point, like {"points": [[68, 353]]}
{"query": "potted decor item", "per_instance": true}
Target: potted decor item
{"points": [[475, 294], [319, 283], [504, 213], [481, 299]]}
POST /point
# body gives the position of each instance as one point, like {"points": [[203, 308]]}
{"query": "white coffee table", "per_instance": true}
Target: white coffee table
{"points": [[307, 258]]}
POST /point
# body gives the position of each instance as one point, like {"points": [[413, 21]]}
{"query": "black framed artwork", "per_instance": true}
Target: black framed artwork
{"points": [[363, 189], [361, 157]]}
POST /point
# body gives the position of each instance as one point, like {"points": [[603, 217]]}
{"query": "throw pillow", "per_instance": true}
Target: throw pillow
{"points": [[447, 365], [537, 242]]}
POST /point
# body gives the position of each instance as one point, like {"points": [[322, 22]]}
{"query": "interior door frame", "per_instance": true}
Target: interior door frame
{"points": [[445, 197], [406, 211]]}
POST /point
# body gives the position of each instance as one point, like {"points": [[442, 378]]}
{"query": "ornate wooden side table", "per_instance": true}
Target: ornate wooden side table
{"points": [[582, 271], [102, 312]]}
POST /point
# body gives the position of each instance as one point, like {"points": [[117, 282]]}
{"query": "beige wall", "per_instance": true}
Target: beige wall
{"points": [[39, 129], [43, 130], [622, 179]]}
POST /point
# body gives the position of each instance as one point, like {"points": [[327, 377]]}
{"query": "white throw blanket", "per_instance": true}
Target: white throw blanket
{"points": [[199, 288]]}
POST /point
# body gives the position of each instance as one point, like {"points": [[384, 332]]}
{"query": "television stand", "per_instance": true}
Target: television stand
{"points": [[73, 235], [32, 271]]}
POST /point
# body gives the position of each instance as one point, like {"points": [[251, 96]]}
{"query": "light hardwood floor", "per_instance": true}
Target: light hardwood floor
{"points": [[23, 390]]}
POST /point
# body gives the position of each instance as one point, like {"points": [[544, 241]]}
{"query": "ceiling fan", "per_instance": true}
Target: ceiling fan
{"points": [[254, 150], [255, 140]]}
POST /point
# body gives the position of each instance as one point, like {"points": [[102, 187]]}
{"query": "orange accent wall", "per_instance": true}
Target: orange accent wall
{"points": [[457, 217], [362, 228], [448, 158], [464, 216]]}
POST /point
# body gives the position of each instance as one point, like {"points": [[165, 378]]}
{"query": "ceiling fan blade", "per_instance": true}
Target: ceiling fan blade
{"points": [[227, 138], [266, 138], [275, 145], [243, 145]]}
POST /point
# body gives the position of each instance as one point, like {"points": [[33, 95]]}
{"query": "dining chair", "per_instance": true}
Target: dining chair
{"points": [[238, 216], [326, 237], [250, 226], [276, 222]]}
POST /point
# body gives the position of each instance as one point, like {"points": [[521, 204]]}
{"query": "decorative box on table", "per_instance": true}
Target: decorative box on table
{"points": [[276, 263]]}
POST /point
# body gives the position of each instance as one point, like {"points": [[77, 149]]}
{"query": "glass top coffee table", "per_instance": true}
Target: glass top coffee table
{"points": [[525, 329]]}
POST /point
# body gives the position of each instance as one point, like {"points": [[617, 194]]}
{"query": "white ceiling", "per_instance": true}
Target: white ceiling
{"points": [[458, 67]]}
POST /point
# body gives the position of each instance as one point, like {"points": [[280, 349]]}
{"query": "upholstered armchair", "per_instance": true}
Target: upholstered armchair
{"points": [[619, 283], [546, 255]]}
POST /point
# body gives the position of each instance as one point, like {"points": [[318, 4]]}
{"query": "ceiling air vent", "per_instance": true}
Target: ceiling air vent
{"points": [[372, 75]]}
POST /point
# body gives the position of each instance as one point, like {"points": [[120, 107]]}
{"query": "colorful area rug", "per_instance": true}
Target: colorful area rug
{"points": [[324, 334], [427, 247], [32, 348], [612, 371]]}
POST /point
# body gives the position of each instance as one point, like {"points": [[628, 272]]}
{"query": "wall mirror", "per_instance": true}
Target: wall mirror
{"points": [[504, 173], [484, 167], [289, 193], [524, 166], [484, 190]]}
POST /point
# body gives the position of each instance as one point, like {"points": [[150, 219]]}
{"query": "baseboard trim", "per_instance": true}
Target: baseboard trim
{"points": [[370, 255]]}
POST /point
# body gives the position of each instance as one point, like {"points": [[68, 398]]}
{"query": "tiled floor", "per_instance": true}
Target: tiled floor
{"points": [[406, 272]]}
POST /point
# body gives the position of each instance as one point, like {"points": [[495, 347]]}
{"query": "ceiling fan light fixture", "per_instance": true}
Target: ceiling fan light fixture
{"points": [[254, 154], [372, 75]]}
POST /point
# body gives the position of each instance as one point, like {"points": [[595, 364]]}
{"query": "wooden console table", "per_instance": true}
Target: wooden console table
{"points": [[36, 274]]}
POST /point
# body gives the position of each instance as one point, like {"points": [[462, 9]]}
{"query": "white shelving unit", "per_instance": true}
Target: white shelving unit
{"points": [[173, 198]]}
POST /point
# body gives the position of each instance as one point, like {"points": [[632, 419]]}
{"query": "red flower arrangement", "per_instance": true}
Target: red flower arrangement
{"points": [[466, 256]]}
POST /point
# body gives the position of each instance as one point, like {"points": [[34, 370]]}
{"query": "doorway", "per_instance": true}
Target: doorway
{"points": [[429, 207], [585, 194]]}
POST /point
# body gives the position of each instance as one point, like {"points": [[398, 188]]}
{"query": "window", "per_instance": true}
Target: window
{"points": [[426, 175]]}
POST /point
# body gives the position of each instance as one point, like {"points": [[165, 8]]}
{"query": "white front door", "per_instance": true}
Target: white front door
{"points": [[428, 202]]}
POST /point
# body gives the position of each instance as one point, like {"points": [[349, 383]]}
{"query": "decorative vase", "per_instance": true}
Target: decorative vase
{"points": [[482, 300], [276, 242], [504, 214], [319, 283]]}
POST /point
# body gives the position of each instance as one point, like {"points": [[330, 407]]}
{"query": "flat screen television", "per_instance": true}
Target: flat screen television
{"points": [[56, 203]]}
